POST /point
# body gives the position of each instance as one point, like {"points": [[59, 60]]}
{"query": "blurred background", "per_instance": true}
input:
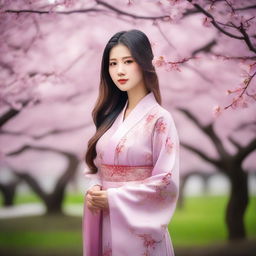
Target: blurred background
{"points": [[50, 55]]}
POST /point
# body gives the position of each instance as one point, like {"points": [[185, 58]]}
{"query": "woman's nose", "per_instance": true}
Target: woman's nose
{"points": [[120, 70]]}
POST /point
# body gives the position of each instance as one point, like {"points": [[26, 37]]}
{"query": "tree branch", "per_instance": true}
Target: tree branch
{"points": [[51, 12], [10, 114], [111, 7], [245, 151], [209, 131], [201, 154], [214, 23], [43, 135], [106, 5], [245, 8], [247, 38], [235, 143], [246, 125], [39, 148], [32, 183], [205, 48]]}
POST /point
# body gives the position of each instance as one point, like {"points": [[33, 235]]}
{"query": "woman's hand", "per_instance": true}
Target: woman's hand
{"points": [[89, 200], [100, 198], [96, 199]]}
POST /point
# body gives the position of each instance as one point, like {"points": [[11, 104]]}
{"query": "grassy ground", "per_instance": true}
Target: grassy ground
{"points": [[202, 221], [199, 224]]}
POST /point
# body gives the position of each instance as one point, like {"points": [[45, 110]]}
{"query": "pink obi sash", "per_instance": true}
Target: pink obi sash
{"points": [[123, 173]]}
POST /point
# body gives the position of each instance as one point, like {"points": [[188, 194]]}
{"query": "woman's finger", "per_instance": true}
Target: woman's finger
{"points": [[99, 204], [98, 192], [90, 202]]}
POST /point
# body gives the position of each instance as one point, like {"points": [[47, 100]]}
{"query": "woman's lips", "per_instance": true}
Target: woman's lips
{"points": [[122, 81]]}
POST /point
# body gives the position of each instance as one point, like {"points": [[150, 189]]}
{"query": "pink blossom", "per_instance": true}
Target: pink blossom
{"points": [[168, 145], [150, 117], [159, 61], [236, 90], [217, 110], [252, 68], [172, 67], [239, 102], [207, 21], [130, 2], [161, 126]]}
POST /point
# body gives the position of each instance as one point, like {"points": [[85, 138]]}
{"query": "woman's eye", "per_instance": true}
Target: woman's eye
{"points": [[129, 61], [112, 63]]}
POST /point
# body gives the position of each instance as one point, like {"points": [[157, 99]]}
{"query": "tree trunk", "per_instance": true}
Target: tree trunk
{"points": [[8, 192], [180, 203], [54, 203], [237, 203]]}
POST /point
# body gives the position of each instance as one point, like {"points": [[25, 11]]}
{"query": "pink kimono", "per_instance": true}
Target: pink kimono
{"points": [[138, 165]]}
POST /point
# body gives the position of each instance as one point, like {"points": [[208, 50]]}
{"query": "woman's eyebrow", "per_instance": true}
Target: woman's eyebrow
{"points": [[127, 57]]}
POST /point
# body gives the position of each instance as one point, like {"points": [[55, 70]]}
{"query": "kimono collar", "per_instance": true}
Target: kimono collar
{"points": [[121, 127], [138, 112], [142, 107]]}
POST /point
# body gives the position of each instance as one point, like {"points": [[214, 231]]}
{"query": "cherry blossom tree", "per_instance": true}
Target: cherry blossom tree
{"points": [[205, 58]]}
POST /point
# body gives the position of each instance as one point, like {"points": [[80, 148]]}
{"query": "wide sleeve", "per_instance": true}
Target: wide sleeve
{"points": [[91, 223], [92, 180], [141, 212]]}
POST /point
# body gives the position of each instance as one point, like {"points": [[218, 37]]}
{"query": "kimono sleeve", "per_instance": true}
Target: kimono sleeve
{"points": [[92, 179], [141, 213], [91, 223]]}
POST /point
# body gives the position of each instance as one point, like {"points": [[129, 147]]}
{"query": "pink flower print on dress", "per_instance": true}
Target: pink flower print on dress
{"points": [[120, 146], [149, 123], [168, 145], [150, 117], [166, 179], [121, 173], [149, 243], [161, 190], [119, 149], [161, 126]]}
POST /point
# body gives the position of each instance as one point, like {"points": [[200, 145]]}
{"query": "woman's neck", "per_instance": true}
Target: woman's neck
{"points": [[135, 95]]}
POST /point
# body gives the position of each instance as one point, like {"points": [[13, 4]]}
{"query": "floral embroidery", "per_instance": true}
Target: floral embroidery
{"points": [[149, 243], [120, 146], [161, 190], [107, 251], [150, 117], [148, 123], [123, 173], [168, 145], [166, 179], [161, 126], [119, 149]]}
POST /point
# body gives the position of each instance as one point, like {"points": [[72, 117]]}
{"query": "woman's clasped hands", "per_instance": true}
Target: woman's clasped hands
{"points": [[96, 199]]}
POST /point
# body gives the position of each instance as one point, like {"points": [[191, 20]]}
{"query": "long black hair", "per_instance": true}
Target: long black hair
{"points": [[111, 100]]}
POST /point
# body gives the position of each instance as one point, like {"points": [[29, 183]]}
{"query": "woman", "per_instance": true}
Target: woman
{"points": [[134, 154]]}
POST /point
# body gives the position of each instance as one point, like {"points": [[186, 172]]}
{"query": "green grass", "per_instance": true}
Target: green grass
{"points": [[42, 233], [200, 222], [33, 198]]}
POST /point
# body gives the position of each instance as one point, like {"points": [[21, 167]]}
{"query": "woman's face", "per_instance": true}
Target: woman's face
{"points": [[124, 71]]}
